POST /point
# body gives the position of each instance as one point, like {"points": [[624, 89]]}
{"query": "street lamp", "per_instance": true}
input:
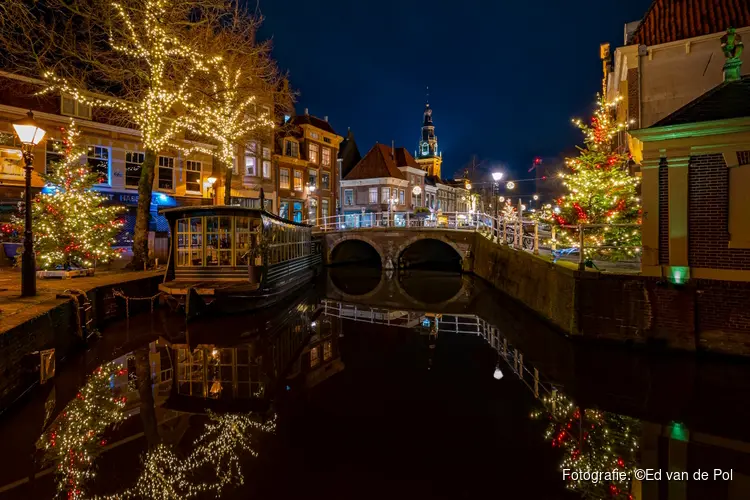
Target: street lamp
{"points": [[30, 134], [496, 176]]}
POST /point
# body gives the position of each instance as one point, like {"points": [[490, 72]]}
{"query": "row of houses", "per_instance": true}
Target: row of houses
{"points": [[303, 168]]}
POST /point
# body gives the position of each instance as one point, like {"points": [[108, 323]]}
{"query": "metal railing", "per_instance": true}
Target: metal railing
{"points": [[520, 233]]}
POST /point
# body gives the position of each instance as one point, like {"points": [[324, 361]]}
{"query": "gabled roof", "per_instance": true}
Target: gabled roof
{"points": [[349, 154], [672, 20], [314, 121], [405, 159], [725, 101], [378, 162]]}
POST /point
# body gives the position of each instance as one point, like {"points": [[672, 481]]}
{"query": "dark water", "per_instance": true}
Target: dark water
{"points": [[426, 385]]}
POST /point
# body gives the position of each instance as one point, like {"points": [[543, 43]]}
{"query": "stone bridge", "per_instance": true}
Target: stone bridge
{"points": [[400, 247]]}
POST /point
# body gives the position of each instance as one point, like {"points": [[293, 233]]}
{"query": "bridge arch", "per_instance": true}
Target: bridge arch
{"points": [[443, 251], [350, 245]]}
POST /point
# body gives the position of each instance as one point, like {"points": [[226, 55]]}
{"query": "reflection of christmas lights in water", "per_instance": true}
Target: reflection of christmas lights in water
{"points": [[593, 440]]}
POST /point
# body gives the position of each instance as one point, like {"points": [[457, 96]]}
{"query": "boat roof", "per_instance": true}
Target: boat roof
{"points": [[230, 209]]}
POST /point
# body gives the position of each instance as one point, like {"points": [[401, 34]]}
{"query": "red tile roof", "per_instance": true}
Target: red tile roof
{"points": [[378, 162], [405, 159], [672, 20]]}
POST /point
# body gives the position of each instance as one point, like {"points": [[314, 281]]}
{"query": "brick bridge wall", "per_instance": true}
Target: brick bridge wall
{"points": [[702, 315]]}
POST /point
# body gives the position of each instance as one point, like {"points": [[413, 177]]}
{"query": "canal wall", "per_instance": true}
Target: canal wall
{"points": [[55, 325], [703, 315]]}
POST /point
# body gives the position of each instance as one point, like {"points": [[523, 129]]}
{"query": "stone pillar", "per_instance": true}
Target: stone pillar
{"points": [[650, 226], [677, 164]]}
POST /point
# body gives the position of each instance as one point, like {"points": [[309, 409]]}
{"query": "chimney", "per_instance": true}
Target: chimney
{"points": [[306, 112], [325, 118]]}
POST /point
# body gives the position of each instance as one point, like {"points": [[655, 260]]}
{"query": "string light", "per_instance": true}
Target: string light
{"points": [[71, 225], [600, 191]]}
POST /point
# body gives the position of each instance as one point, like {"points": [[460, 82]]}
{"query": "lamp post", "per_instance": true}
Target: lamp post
{"points": [[496, 176], [30, 134]]}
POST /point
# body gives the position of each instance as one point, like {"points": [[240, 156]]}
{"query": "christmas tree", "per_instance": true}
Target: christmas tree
{"points": [[72, 227], [600, 191]]}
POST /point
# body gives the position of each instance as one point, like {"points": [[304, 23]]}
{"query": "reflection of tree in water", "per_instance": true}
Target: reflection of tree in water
{"points": [[592, 440], [166, 474], [76, 438]]}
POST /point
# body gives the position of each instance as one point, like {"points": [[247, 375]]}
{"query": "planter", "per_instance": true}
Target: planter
{"points": [[11, 249]]}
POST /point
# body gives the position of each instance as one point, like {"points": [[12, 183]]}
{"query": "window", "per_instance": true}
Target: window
{"points": [[291, 149], [373, 198], [267, 163], [312, 178], [327, 350], [324, 212], [325, 157], [71, 107], [313, 150], [97, 158], [250, 160], [298, 180], [284, 178], [325, 180], [425, 148], [218, 241], [244, 240], [284, 208], [385, 195], [53, 154], [312, 210], [348, 197], [297, 206], [314, 357], [166, 172], [193, 176], [315, 135], [189, 242], [133, 165], [327, 140], [401, 197]]}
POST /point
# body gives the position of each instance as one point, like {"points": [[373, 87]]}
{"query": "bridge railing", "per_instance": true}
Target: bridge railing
{"points": [[520, 233]]}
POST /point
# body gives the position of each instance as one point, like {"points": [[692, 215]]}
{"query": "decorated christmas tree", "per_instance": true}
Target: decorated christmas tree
{"points": [[600, 190], [72, 226]]}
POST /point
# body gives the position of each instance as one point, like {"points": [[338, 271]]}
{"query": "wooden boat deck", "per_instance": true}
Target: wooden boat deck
{"points": [[179, 287]]}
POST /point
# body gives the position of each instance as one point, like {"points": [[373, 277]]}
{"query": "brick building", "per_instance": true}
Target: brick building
{"points": [[306, 168], [696, 176]]}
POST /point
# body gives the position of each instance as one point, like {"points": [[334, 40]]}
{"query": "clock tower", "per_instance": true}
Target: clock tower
{"points": [[427, 155]]}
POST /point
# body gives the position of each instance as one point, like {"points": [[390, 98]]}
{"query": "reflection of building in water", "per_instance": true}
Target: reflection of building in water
{"points": [[321, 357]]}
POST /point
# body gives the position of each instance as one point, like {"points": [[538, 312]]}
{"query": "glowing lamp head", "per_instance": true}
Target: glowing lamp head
{"points": [[496, 176], [468, 186], [28, 130], [312, 189], [510, 185], [501, 199], [536, 197], [211, 181], [498, 373]]}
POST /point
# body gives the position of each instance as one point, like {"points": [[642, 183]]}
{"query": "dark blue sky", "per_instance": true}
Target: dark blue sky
{"points": [[505, 77]]}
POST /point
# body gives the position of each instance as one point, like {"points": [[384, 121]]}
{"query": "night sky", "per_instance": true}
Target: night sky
{"points": [[505, 77]]}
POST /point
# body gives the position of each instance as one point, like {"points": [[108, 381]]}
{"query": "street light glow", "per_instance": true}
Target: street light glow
{"points": [[536, 197], [496, 176], [510, 185], [28, 130]]}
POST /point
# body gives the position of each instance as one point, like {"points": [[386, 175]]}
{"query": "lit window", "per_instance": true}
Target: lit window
{"points": [[325, 157], [314, 357], [401, 197], [324, 208], [313, 178], [218, 241], [193, 176], [373, 195], [267, 169], [348, 197], [284, 178], [385, 195], [298, 180], [266, 153], [425, 148], [291, 149], [313, 152], [250, 160], [166, 172], [133, 166], [97, 158], [53, 154], [327, 350], [190, 242], [315, 135], [325, 180]]}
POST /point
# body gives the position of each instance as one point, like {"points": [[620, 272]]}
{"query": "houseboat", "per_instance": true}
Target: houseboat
{"points": [[236, 259]]}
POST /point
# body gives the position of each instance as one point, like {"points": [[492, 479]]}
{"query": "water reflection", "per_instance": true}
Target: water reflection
{"points": [[184, 411]]}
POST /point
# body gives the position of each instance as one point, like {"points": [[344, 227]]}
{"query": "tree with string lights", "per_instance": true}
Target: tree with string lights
{"points": [[600, 190], [72, 226]]}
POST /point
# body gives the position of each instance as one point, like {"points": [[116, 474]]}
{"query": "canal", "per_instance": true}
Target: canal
{"points": [[367, 385]]}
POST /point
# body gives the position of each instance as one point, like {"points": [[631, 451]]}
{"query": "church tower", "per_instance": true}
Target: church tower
{"points": [[427, 155]]}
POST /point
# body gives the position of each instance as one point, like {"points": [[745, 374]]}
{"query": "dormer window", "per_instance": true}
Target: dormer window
{"points": [[291, 148]]}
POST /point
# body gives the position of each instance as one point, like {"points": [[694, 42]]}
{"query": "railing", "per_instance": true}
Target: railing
{"points": [[520, 233]]}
